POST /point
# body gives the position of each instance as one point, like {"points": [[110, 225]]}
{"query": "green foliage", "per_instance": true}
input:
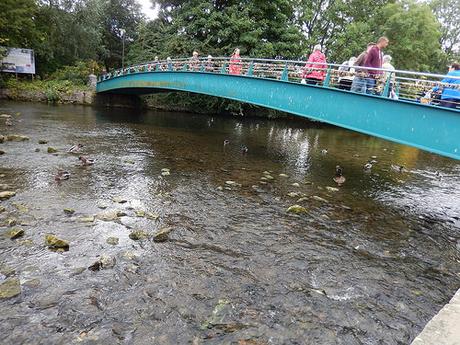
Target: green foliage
{"points": [[414, 35], [78, 73], [17, 26], [448, 15]]}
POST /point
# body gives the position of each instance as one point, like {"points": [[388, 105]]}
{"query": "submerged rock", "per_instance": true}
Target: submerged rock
{"points": [[51, 150], [151, 216], [15, 233], [295, 184], [2, 152], [119, 200], [20, 207], [109, 216], [16, 137], [55, 243], [104, 261], [165, 173], [2, 139], [140, 213], [43, 142], [137, 235], [293, 194], [11, 221], [332, 189], [297, 209], [2, 209], [69, 211], [162, 235], [283, 175], [88, 219], [7, 194], [5, 116], [318, 198], [10, 288], [113, 241]]}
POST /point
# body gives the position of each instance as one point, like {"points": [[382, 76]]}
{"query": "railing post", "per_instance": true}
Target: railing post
{"points": [[250, 69], [185, 68], [284, 75], [328, 78], [170, 66], [224, 68], [386, 89]]}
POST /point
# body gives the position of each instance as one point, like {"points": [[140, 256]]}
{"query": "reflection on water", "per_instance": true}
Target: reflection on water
{"points": [[370, 262]]}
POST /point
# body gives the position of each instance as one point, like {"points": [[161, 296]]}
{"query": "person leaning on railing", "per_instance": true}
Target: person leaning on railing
{"points": [[374, 59], [450, 97]]}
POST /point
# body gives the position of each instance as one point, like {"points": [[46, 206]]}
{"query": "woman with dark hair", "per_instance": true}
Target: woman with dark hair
{"points": [[450, 97]]}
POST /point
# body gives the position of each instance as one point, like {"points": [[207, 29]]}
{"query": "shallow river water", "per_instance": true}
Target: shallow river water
{"points": [[369, 262]]}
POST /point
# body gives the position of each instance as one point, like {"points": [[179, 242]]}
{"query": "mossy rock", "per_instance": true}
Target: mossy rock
{"points": [[2, 139], [43, 142], [15, 233], [69, 211], [137, 235], [10, 288], [113, 241], [162, 235], [51, 150], [297, 209], [55, 243], [7, 194], [16, 137]]}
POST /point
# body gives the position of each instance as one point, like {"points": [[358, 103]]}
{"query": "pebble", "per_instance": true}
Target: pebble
{"points": [[162, 235], [113, 241], [296, 209], [10, 288], [15, 233], [7, 194]]}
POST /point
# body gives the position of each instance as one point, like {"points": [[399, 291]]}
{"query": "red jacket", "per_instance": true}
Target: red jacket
{"points": [[317, 70]]}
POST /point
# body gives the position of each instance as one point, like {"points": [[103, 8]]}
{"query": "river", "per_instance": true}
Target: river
{"points": [[368, 262]]}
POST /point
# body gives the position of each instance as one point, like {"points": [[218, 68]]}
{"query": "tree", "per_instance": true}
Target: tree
{"points": [[414, 35], [17, 26], [119, 16], [448, 14]]}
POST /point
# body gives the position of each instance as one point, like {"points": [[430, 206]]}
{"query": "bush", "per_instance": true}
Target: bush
{"points": [[78, 73]]}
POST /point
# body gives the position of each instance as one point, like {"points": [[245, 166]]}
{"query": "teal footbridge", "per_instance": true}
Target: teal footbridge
{"points": [[398, 108]]}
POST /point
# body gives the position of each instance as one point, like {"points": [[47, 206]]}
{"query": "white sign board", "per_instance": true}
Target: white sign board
{"points": [[18, 60]]}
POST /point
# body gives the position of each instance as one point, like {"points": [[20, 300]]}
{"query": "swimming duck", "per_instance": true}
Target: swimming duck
{"points": [[75, 148], [62, 175], [244, 149], [367, 166], [226, 142], [86, 161], [398, 168], [339, 178], [324, 151]]}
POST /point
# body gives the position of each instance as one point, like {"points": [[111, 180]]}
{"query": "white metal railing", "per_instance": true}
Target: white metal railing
{"points": [[425, 88]]}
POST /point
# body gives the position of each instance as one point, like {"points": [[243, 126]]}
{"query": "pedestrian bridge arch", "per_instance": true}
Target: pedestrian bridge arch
{"points": [[276, 84]]}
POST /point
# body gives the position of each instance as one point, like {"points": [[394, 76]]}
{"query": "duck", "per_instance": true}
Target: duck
{"points": [[367, 166], [324, 151], [62, 175], [339, 178], [86, 161], [398, 168], [75, 148], [226, 142], [244, 149]]}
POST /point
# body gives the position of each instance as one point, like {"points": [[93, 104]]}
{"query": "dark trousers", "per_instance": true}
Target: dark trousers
{"points": [[450, 103], [312, 81]]}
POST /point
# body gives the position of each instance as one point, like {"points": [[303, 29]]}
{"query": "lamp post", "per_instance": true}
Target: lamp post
{"points": [[122, 32]]}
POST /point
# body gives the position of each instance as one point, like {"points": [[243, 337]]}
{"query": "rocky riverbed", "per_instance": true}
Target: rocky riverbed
{"points": [[187, 229]]}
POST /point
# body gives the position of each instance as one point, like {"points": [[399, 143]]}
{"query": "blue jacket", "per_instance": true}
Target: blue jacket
{"points": [[451, 92]]}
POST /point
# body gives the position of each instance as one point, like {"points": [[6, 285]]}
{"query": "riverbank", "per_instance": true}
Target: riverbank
{"points": [[64, 92]]}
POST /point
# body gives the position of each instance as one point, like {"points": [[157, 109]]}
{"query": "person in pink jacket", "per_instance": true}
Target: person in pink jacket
{"points": [[315, 68], [235, 63]]}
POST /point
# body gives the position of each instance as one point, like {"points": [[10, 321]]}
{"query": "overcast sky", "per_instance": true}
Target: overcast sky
{"points": [[149, 12]]}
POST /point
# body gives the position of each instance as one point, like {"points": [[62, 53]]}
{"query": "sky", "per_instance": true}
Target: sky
{"points": [[150, 13]]}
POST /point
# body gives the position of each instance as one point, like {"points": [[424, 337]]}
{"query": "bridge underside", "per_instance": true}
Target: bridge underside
{"points": [[426, 127]]}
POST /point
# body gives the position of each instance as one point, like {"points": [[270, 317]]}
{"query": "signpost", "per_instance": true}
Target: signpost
{"points": [[17, 60]]}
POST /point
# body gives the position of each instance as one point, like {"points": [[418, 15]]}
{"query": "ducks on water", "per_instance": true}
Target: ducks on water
{"points": [[324, 151], [62, 175], [244, 149], [86, 161], [226, 142], [75, 148], [339, 178], [398, 168]]}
